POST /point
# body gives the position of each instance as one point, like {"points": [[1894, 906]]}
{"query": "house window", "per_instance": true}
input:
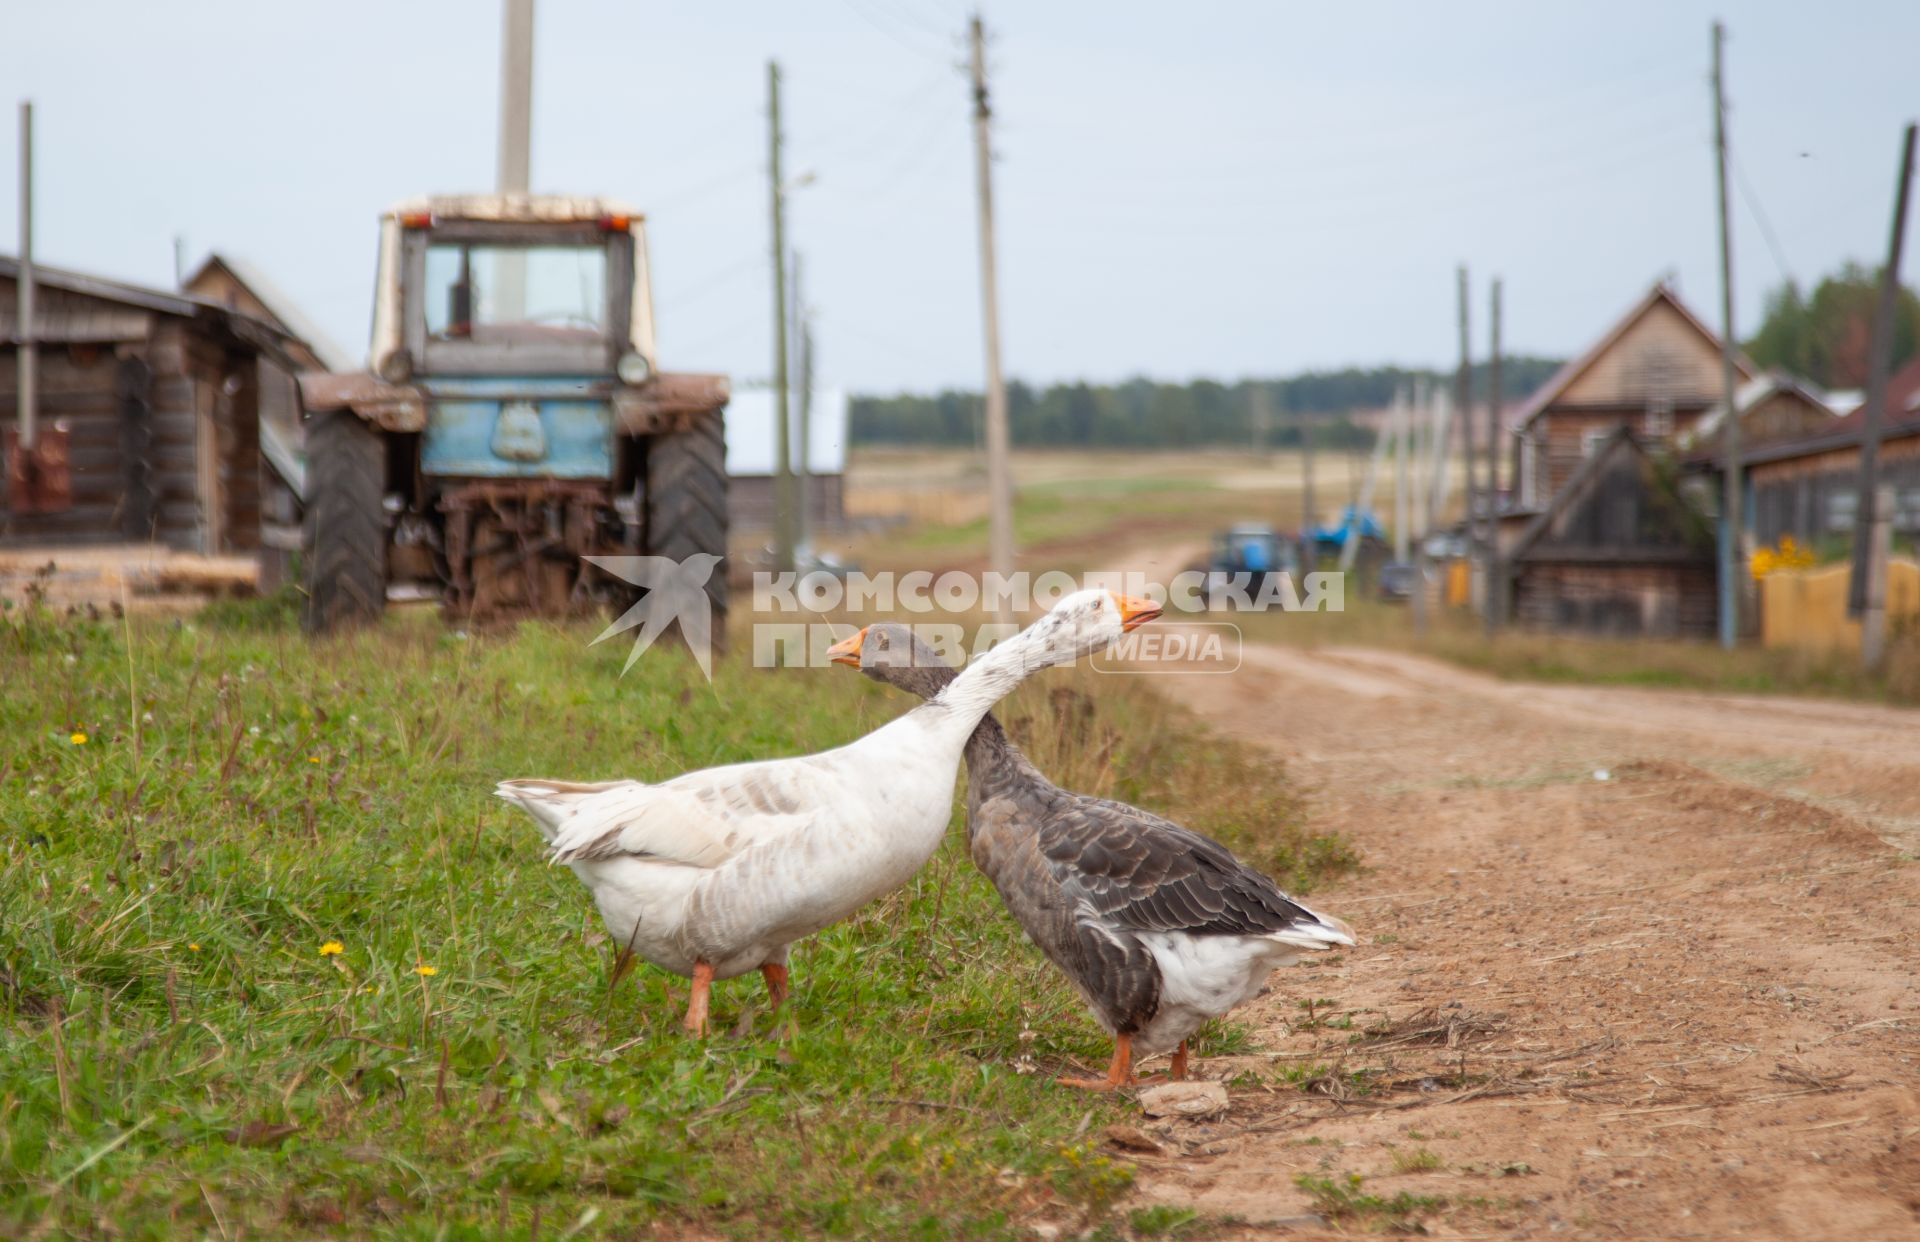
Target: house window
{"points": [[1592, 439], [1659, 420], [1841, 506], [1906, 510]]}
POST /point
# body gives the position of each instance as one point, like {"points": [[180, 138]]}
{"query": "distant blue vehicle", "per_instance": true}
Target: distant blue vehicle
{"points": [[1253, 548], [1361, 524]]}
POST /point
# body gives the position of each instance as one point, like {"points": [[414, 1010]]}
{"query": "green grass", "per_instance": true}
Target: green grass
{"points": [[190, 811], [1344, 1199]]}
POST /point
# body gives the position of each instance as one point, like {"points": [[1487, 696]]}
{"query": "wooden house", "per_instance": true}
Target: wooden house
{"points": [[1774, 407], [1655, 371], [1808, 486], [152, 396], [1619, 551], [239, 286]]}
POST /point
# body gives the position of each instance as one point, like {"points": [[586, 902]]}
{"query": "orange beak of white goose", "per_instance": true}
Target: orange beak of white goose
{"points": [[847, 650], [1134, 610]]}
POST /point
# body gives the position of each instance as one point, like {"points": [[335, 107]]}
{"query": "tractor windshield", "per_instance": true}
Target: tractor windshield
{"points": [[489, 292]]}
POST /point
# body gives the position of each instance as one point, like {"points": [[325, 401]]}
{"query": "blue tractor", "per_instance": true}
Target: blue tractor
{"points": [[512, 422]]}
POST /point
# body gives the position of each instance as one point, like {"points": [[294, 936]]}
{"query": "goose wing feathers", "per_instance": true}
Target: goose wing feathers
{"points": [[1138, 871], [702, 819]]}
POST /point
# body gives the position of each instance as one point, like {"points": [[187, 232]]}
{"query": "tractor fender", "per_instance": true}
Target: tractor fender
{"points": [[670, 401], [391, 407]]}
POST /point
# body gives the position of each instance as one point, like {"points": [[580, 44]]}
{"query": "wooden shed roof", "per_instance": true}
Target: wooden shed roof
{"points": [[80, 308]]}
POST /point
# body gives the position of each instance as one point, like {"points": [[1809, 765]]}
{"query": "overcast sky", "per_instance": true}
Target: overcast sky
{"points": [[1209, 189]]}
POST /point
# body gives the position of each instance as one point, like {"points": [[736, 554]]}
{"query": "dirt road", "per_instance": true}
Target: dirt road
{"points": [[1634, 964]]}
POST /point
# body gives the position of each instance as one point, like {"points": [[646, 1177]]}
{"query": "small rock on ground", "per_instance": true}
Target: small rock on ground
{"points": [[1184, 1099]]}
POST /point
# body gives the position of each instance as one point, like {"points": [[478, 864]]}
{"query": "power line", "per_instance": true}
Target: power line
{"points": [[890, 32], [1752, 200], [694, 291]]}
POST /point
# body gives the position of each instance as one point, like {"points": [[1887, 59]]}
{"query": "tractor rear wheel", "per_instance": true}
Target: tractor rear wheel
{"points": [[346, 530], [687, 504]]}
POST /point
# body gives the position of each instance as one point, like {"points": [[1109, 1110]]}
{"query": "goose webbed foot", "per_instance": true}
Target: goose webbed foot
{"points": [[1119, 1072], [696, 1020]]}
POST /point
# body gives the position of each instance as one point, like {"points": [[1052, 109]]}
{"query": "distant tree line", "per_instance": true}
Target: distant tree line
{"points": [[1145, 414], [1827, 337]]}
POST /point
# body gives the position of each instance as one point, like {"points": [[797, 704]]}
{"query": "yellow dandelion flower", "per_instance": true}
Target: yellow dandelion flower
{"points": [[426, 971], [332, 948], [313, 758], [193, 946], [78, 738]]}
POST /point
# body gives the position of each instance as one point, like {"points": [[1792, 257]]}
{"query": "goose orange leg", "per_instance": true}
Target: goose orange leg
{"points": [[1119, 1073], [1178, 1071], [777, 989], [696, 1022]]}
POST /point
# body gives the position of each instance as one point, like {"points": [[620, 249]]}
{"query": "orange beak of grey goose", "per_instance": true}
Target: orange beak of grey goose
{"points": [[847, 650], [1134, 610]]}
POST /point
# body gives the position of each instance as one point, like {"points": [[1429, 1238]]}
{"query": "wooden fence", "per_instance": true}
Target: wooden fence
{"points": [[1807, 608]]}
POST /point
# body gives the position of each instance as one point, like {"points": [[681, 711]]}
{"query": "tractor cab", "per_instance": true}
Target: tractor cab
{"points": [[512, 420]]}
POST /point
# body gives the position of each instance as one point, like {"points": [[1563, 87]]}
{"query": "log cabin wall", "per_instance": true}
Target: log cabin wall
{"points": [[159, 397], [174, 414], [1621, 601], [78, 388]]}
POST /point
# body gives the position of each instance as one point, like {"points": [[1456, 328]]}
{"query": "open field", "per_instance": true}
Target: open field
{"points": [[196, 812], [1065, 501]]}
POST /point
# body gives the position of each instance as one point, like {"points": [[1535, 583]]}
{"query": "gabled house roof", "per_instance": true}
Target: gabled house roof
{"points": [[1900, 420], [284, 310], [1568, 375], [1752, 393], [1578, 490]]}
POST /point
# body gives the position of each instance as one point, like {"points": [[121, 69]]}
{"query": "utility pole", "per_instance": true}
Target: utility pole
{"points": [[1309, 522], [803, 343], [515, 172], [1397, 420], [1880, 362], [1363, 501], [29, 351], [1730, 523], [783, 532], [1433, 460], [1496, 572], [1463, 402], [999, 470], [1258, 419]]}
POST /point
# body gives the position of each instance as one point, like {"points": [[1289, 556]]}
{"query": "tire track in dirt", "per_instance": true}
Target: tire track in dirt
{"points": [[1621, 975]]}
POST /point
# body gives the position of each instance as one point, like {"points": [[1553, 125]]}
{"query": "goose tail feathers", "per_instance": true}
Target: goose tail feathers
{"points": [[549, 803], [1316, 931]]}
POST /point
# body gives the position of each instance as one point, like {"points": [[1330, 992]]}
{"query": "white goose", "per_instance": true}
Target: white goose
{"points": [[717, 872]]}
